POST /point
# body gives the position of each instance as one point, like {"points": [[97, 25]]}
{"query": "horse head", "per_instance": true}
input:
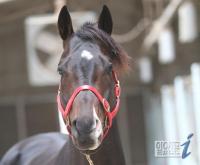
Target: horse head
{"points": [[89, 88]]}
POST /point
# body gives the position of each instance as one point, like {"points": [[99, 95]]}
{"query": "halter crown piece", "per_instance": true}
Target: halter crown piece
{"points": [[110, 114]]}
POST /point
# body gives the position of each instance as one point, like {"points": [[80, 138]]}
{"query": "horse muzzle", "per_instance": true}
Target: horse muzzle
{"points": [[87, 136]]}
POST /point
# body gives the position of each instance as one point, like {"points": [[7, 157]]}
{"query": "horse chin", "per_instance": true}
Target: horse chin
{"points": [[90, 148], [84, 147]]}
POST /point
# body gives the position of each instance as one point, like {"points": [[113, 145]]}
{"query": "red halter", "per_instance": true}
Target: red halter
{"points": [[109, 114]]}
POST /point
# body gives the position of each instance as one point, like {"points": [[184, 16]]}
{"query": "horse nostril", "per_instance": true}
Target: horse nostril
{"points": [[85, 125], [97, 121], [74, 123]]}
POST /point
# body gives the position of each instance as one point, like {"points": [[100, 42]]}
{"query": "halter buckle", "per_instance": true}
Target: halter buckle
{"points": [[106, 105], [117, 89]]}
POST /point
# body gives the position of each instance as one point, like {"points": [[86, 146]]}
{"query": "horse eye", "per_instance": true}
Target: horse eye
{"points": [[60, 71], [109, 68], [113, 53]]}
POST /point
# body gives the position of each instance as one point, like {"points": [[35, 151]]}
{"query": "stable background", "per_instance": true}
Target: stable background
{"points": [[27, 109]]}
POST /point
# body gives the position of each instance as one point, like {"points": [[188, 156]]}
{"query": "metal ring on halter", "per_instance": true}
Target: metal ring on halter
{"points": [[117, 89], [118, 83]]}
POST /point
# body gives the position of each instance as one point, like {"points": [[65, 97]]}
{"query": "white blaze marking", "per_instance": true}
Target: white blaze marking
{"points": [[98, 130], [87, 55], [95, 114], [62, 124], [99, 126]]}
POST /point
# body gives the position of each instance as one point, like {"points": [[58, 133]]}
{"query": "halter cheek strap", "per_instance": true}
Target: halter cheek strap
{"points": [[109, 114]]}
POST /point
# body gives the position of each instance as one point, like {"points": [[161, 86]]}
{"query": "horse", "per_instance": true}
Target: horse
{"points": [[88, 98]]}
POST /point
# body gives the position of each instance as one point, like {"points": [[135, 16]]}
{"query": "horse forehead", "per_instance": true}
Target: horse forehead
{"points": [[86, 49], [86, 54]]}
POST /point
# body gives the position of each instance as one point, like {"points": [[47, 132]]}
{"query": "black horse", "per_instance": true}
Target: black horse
{"points": [[90, 63]]}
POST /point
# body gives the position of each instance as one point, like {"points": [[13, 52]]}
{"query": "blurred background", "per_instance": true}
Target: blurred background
{"points": [[161, 94]]}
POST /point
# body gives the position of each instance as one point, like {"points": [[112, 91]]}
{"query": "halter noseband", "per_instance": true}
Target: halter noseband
{"points": [[109, 114]]}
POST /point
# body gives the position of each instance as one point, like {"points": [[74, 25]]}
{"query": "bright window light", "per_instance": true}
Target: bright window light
{"points": [[3, 1]]}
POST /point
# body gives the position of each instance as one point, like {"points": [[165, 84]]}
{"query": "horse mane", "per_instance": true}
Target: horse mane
{"points": [[90, 32]]}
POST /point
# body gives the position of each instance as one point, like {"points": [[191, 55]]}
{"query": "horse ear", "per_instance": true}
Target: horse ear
{"points": [[105, 22], [65, 23]]}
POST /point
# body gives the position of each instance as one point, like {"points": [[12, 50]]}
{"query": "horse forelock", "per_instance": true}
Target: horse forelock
{"points": [[90, 32]]}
